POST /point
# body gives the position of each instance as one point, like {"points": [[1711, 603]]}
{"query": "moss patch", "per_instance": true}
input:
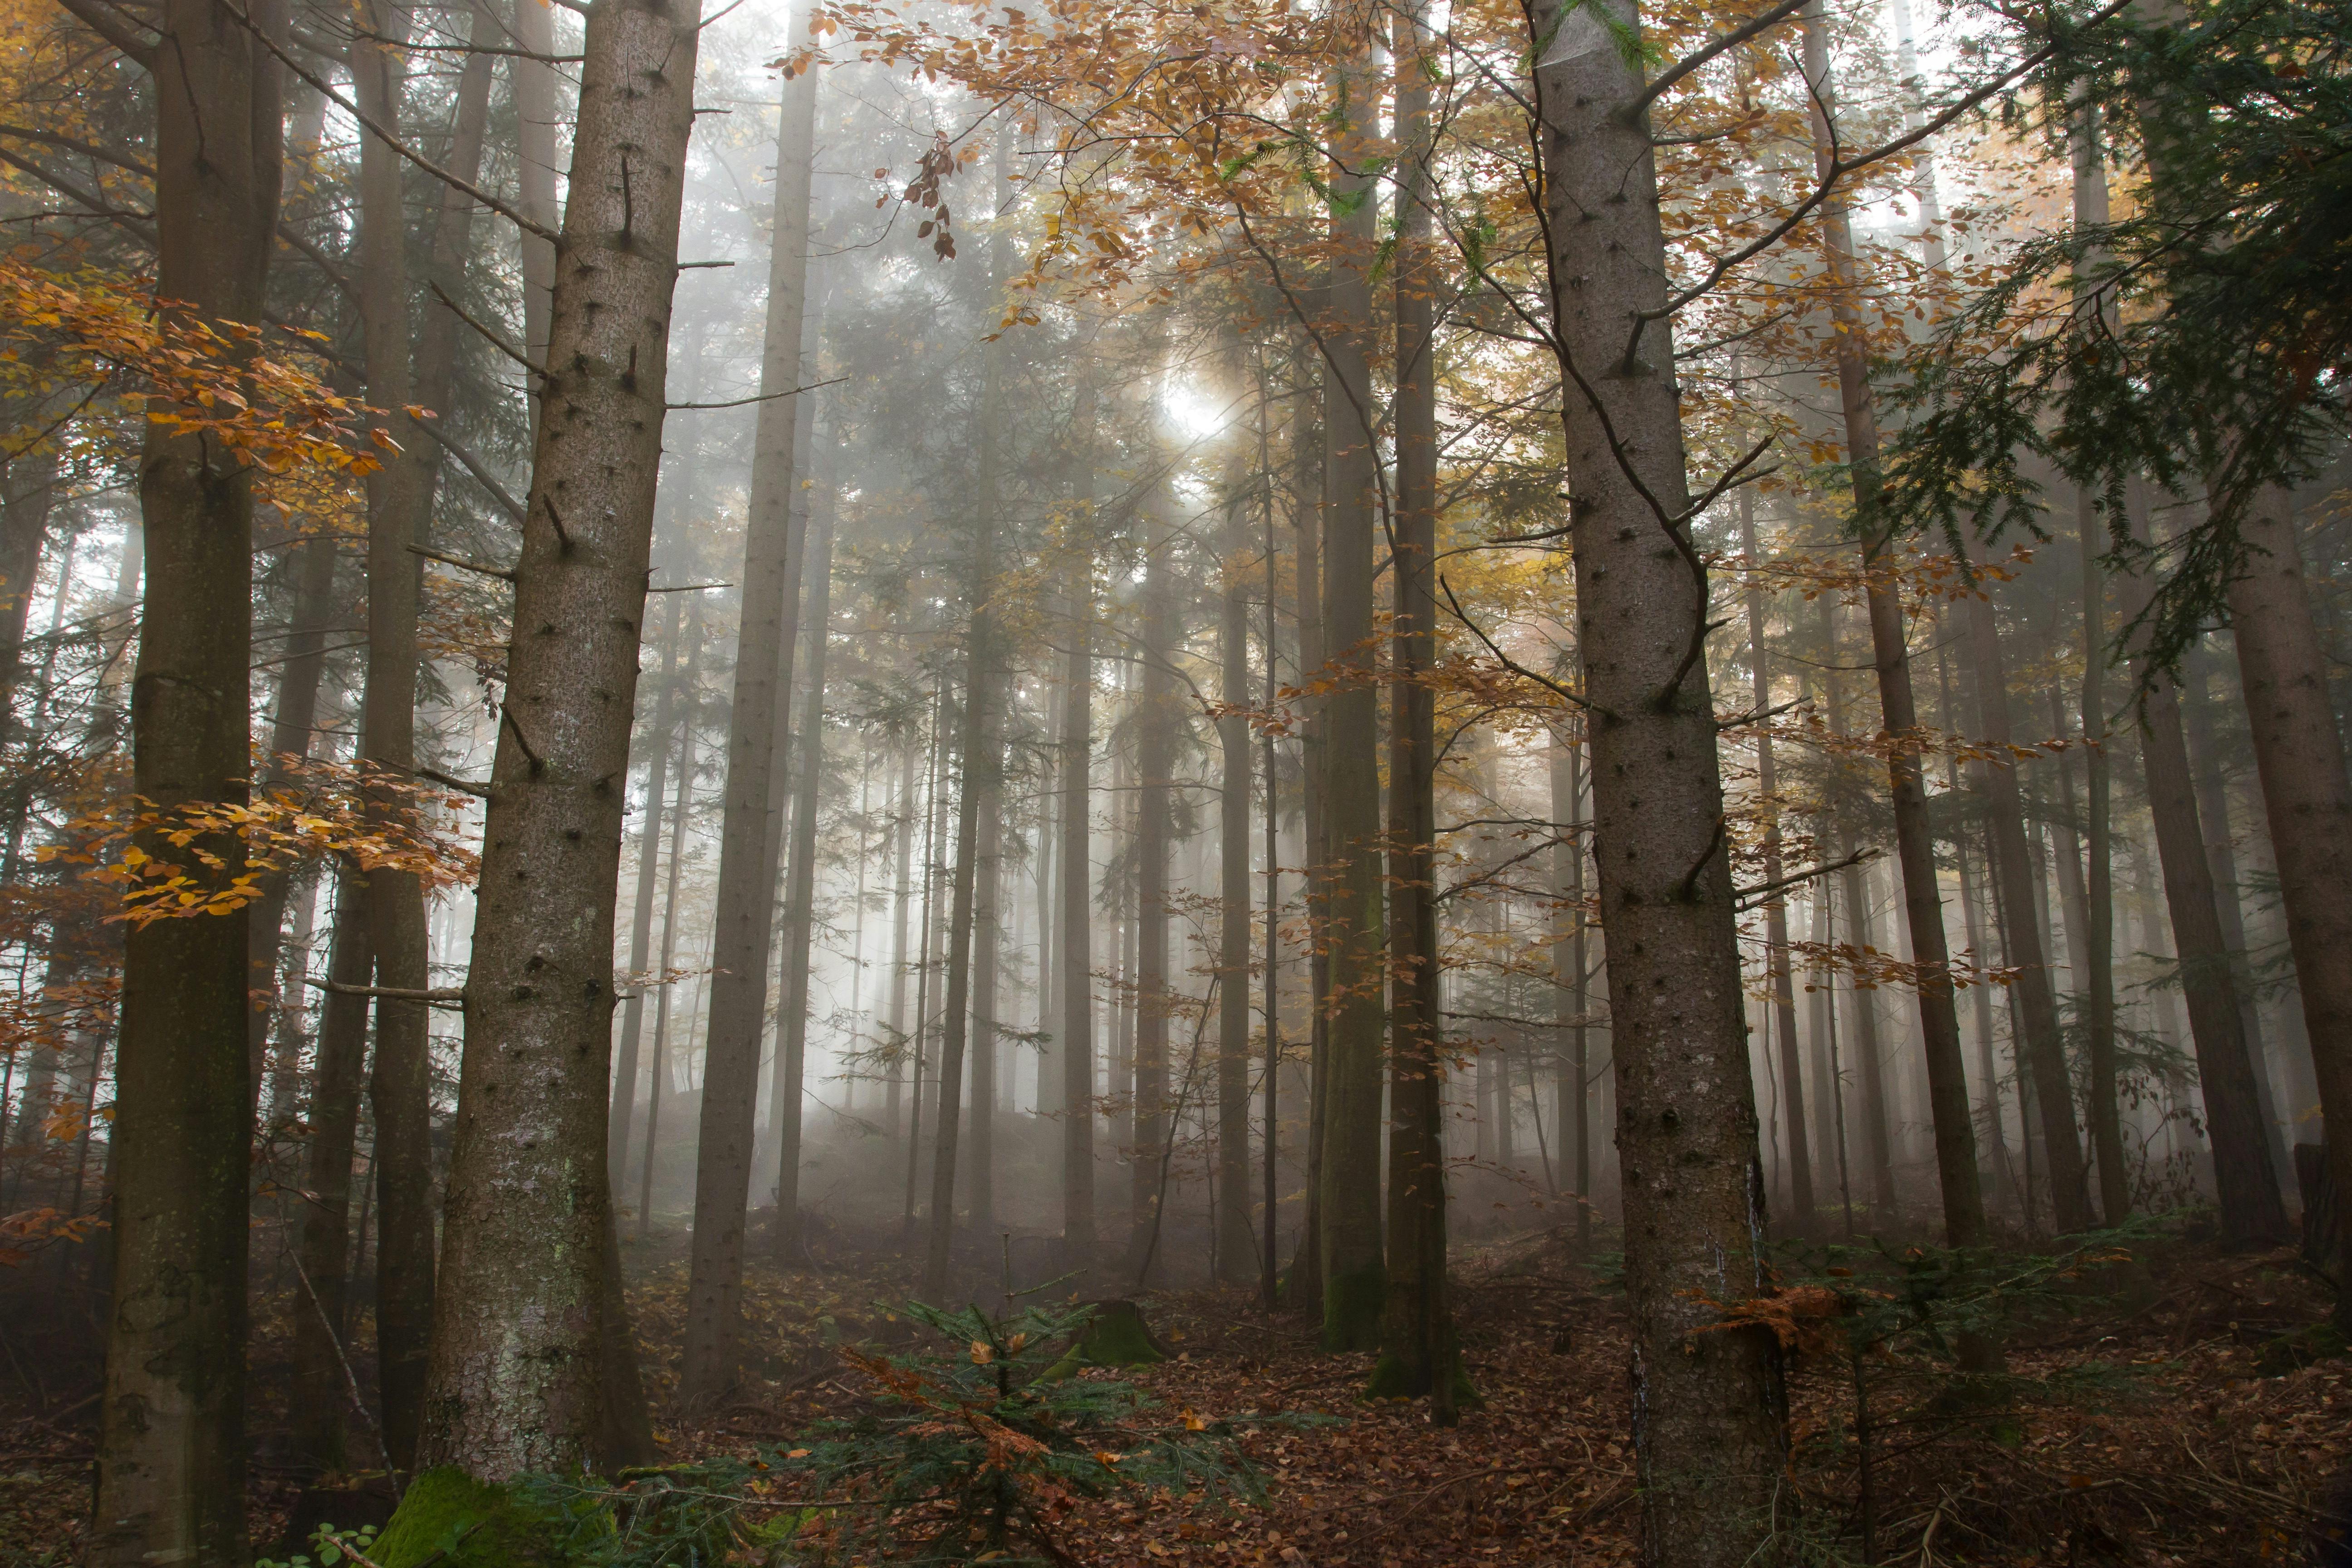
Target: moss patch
{"points": [[449, 1517], [2303, 1348], [1117, 1336], [1352, 1305]]}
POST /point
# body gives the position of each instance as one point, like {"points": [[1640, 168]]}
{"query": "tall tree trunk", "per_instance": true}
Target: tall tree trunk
{"points": [[533, 80], [1898, 713], [1354, 1278], [1155, 757], [800, 917], [29, 490], [2307, 802], [400, 1089], [987, 947], [2021, 942], [1870, 1073], [1418, 1331], [1778, 973], [681, 807], [169, 1482], [1570, 964], [1076, 920], [325, 1253], [751, 834], [901, 899], [641, 912], [518, 1344], [1710, 1440], [1270, 1266], [1236, 1257], [1304, 1288]]}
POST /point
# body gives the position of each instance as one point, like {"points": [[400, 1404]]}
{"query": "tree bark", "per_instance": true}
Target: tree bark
{"points": [[681, 807], [1709, 1438], [519, 1343], [751, 834], [170, 1483], [1571, 966], [1076, 920], [1155, 749], [1237, 1255]]}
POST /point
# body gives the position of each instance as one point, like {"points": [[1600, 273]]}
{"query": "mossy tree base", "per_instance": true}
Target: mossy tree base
{"points": [[448, 1517], [1116, 1335], [1352, 1306], [1392, 1379]]}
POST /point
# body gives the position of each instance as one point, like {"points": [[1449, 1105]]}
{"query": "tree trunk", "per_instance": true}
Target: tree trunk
{"points": [[790, 1084], [1570, 964], [1710, 1440], [1898, 713], [2307, 801], [681, 807], [1304, 1288], [1155, 749], [533, 79], [170, 1484], [31, 488], [751, 836], [1802, 1205], [400, 1089], [987, 948], [902, 900], [641, 914], [1078, 1225], [2022, 940], [1417, 1334], [519, 1343], [1236, 1257], [1354, 1278]]}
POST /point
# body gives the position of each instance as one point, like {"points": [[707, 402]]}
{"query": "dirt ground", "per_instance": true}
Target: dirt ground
{"points": [[2142, 1426]]}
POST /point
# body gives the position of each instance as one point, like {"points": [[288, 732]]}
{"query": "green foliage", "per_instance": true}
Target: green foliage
{"points": [[2200, 342], [967, 1451], [333, 1547]]}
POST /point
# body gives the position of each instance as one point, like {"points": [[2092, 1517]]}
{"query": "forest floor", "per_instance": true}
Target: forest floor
{"points": [[2159, 1424]]}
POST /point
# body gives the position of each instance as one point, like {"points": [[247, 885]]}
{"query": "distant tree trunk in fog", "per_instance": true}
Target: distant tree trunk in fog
{"points": [[640, 921], [294, 722], [1077, 923], [680, 809], [903, 895], [2307, 801], [1778, 976], [987, 950], [1972, 926], [2022, 944], [1304, 1290], [1572, 999], [31, 488], [751, 834], [533, 80], [171, 1452], [1870, 1070], [790, 1085], [1898, 715], [1417, 1328], [1710, 1438], [324, 1254], [1155, 758], [1269, 1251], [1355, 1281], [1236, 1257], [927, 958], [521, 1338]]}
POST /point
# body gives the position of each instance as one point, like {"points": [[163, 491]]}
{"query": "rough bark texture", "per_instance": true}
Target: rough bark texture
{"points": [[1708, 1412], [517, 1362], [751, 834], [2307, 802], [169, 1484], [1354, 1277]]}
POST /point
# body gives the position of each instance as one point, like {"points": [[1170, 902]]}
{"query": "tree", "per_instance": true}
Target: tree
{"points": [[517, 1375]]}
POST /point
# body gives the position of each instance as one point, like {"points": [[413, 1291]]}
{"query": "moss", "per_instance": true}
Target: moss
{"points": [[2304, 1347], [1352, 1304], [1116, 1335], [447, 1517], [1391, 1379]]}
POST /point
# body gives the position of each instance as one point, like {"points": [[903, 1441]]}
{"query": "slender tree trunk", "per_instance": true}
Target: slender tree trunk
{"points": [[169, 1482], [1155, 749], [751, 836], [641, 914], [1870, 1070], [1354, 1276], [1270, 1268], [2307, 801], [534, 80], [1304, 1288], [519, 1345], [1710, 1440], [987, 947], [2021, 942], [1939, 1019], [30, 488], [1572, 994], [1078, 1225], [800, 918], [1778, 973], [326, 1246], [1418, 1331], [900, 901], [1236, 1257], [680, 809], [400, 1088]]}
